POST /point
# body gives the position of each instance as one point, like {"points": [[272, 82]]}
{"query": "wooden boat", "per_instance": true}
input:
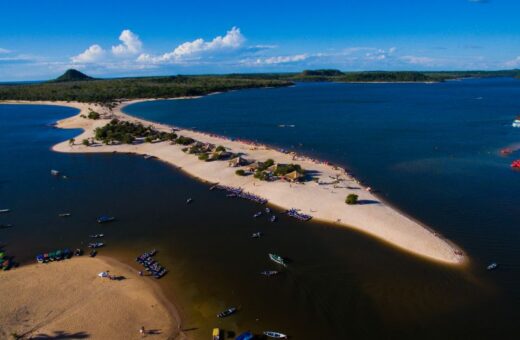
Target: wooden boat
{"points": [[4, 211], [227, 312], [245, 336], [216, 334], [105, 219], [269, 273], [492, 266], [275, 335], [278, 259]]}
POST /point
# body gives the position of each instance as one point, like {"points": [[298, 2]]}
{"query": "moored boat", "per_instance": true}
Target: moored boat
{"points": [[516, 122], [189, 200], [269, 273], [278, 259], [55, 172], [492, 266], [256, 235], [227, 312], [515, 164], [105, 219], [3, 211], [95, 245], [272, 218], [93, 253], [96, 235], [258, 214], [275, 335], [64, 214]]}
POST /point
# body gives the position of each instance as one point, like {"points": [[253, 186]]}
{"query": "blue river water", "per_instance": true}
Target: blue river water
{"points": [[429, 149]]}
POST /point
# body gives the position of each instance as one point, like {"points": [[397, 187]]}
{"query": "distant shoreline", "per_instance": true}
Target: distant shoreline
{"points": [[323, 202]]}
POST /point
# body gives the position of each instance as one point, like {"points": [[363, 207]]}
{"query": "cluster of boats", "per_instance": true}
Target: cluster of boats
{"points": [[298, 215], [240, 193], [150, 265], [272, 218], [57, 255]]}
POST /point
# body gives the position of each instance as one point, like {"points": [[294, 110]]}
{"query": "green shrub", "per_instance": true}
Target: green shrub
{"points": [[220, 148], [148, 139], [185, 140], [203, 156], [240, 172], [351, 199], [85, 142], [93, 115]]}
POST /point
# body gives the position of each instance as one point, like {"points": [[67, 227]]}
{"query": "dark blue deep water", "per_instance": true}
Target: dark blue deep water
{"points": [[430, 149]]}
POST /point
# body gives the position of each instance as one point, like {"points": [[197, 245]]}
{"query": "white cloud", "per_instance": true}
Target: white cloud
{"points": [[195, 49], [411, 59], [90, 55], [380, 54], [131, 44], [4, 51], [514, 63], [277, 60]]}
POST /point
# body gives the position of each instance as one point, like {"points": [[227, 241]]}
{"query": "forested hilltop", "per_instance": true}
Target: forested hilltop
{"points": [[76, 86]]}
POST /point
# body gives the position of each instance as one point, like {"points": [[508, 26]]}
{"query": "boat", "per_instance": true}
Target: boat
{"points": [[3, 211], [267, 210], [278, 259], [6, 264], [258, 214], [105, 219], [93, 253], [216, 334], [515, 164], [64, 215], [78, 252], [55, 172], [40, 258], [275, 335], [227, 312], [189, 200], [492, 266], [96, 235], [269, 273], [245, 336], [95, 245], [272, 218], [5, 226], [506, 151], [148, 156], [516, 122], [256, 235]]}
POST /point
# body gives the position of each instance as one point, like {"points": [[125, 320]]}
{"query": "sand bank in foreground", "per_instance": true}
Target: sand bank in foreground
{"points": [[325, 201], [67, 300]]}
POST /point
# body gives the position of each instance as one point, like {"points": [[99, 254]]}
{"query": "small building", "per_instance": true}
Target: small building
{"points": [[294, 176], [272, 169], [238, 161], [255, 166]]}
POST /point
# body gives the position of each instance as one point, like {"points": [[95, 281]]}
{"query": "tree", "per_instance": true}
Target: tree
{"points": [[220, 148], [148, 139], [86, 142], [93, 115], [351, 199], [240, 172], [71, 141], [203, 156]]}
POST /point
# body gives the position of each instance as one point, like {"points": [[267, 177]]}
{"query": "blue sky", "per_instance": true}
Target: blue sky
{"points": [[40, 39]]}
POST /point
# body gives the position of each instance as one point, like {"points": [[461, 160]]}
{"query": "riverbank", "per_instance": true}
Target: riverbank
{"points": [[67, 299], [324, 199]]}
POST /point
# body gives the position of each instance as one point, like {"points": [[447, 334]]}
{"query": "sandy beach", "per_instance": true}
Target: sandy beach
{"points": [[67, 300], [323, 200]]}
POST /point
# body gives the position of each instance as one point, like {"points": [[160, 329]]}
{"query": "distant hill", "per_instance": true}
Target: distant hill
{"points": [[72, 75]]}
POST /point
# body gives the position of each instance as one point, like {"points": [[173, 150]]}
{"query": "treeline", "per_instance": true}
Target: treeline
{"points": [[109, 90]]}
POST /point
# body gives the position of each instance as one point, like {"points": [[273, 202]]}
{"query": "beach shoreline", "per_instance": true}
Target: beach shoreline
{"points": [[67, 299], [376, 218]]}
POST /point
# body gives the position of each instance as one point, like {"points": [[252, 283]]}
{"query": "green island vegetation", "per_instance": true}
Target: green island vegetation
{"points": [[220, 148], [204, 156], [351, 199], [76, 86], [127, 132], [284, 169], [240, 172], [184, 140]]}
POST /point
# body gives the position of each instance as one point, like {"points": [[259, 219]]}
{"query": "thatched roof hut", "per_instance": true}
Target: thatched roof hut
{"points": [[294, 176], [238, 161]]}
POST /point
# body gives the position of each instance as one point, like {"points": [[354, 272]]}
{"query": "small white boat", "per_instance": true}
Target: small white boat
{"points": [[189, 200], [64, 214], [258, 214], [516, 123], [492, 266], [256, 235], [275, 335], [55, 172], [4, 211], [269, 273]]}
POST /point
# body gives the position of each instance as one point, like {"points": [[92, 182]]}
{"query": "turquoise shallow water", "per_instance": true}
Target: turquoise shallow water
{"points": [[429, 149]]}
